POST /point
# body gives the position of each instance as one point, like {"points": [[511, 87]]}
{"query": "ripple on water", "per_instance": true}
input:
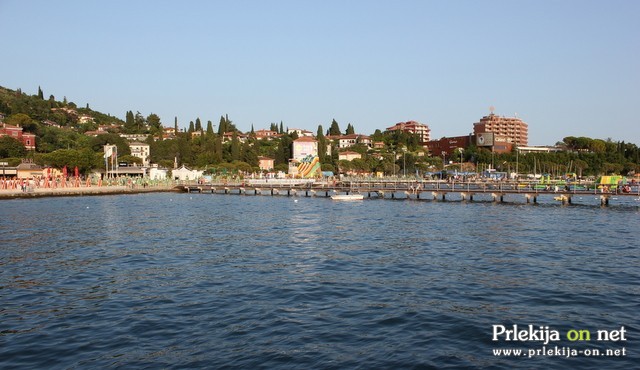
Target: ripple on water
{"points": [[225, 281]]}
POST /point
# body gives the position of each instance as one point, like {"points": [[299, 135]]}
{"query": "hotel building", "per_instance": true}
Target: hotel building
{"points": [[413, 127], [512, 129]]}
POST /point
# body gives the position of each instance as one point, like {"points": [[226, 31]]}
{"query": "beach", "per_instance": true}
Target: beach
{"points": [[81, 191]]}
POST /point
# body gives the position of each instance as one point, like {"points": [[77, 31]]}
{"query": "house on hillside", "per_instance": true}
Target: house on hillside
{"points": [[27, 139]]}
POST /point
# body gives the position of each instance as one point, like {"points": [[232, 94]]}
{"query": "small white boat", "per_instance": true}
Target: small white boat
{"points": [[347, 197]]}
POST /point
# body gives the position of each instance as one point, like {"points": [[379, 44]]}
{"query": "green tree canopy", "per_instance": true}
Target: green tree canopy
{"points": [[10, 147]]}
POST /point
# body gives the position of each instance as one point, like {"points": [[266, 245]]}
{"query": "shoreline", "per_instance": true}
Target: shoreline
{"points": [[81, 191]]}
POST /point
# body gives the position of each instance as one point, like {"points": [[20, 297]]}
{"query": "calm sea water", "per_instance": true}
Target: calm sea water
{"points": [[218, 281]]}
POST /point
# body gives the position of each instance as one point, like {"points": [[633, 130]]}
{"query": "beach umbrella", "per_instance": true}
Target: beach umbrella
{"points": [[76, 173], [64, 171]]}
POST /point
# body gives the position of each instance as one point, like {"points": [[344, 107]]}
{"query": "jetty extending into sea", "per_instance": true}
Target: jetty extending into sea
{"points": [[412, 189], [389, 189]]}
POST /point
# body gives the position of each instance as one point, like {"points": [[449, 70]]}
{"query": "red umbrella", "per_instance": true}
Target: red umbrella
{"points": [[76, 173], [64, 171]]}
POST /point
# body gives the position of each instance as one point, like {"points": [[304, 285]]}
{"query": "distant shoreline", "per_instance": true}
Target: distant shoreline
{"points": [[81, 191]]}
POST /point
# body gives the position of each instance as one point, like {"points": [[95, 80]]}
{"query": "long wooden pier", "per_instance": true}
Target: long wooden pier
{"points": [[418, 190]]}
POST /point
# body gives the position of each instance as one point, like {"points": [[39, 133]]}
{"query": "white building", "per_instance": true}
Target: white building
{"points": [[304, 146], [156, 173], [300, 132], [185, 174], [140, 150], [349, 156]]}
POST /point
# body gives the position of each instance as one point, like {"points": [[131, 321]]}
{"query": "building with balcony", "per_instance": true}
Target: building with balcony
{"points": [[140, 150], [413, 127], [511, 129]]}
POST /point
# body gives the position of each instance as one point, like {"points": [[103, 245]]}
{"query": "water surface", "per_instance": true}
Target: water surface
{"points": [[211, 281]]}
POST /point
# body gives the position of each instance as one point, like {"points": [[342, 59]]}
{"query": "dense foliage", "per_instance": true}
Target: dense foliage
{"points": [[208, 148]]}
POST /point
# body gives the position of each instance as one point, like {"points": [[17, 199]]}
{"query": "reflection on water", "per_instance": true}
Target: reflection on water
{"points": [[191, 280]]}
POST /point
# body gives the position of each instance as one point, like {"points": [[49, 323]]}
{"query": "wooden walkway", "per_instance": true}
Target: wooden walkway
{"points": [[418, 190]]}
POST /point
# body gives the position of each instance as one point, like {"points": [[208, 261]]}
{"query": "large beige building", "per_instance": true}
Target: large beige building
{"points": [[512, 129], [413, 127]]}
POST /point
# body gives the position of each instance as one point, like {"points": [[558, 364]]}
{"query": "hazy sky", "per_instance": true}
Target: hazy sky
{"points": [[566, 67]]}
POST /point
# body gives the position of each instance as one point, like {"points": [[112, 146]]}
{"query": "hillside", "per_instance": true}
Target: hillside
{"points": [[60, 128], [62, 113]]}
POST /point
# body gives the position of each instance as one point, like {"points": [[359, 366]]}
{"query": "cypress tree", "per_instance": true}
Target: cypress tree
{"points": [[175, 125], [198, 124], [222, 127], [209, 128], [235, 147], [335, 128], [322, 144], [191, 127], [350, 130], [40, 94], [129, 120]]}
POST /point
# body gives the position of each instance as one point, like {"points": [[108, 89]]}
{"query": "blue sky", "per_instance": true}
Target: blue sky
{"points": [[565, 67]]}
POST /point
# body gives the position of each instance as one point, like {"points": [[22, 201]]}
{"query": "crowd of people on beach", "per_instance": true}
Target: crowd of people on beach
{"points": [[42, 182], [27, 185]]}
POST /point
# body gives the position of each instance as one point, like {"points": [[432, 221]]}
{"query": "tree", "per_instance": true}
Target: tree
{"points": [[175, 125], [155, 126], [350, 130], [139, 122], [40, 94], [334, 129], [209, 128], [198, 124], [249, 154], [235, 147], [130, 159], [22, 120], [222, 127], [84, 159], [129, 122], [10, 147], [191, 127], [98, 143]]}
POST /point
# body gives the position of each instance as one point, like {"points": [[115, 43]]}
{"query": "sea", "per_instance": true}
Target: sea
{"points": [[214, 281]]}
